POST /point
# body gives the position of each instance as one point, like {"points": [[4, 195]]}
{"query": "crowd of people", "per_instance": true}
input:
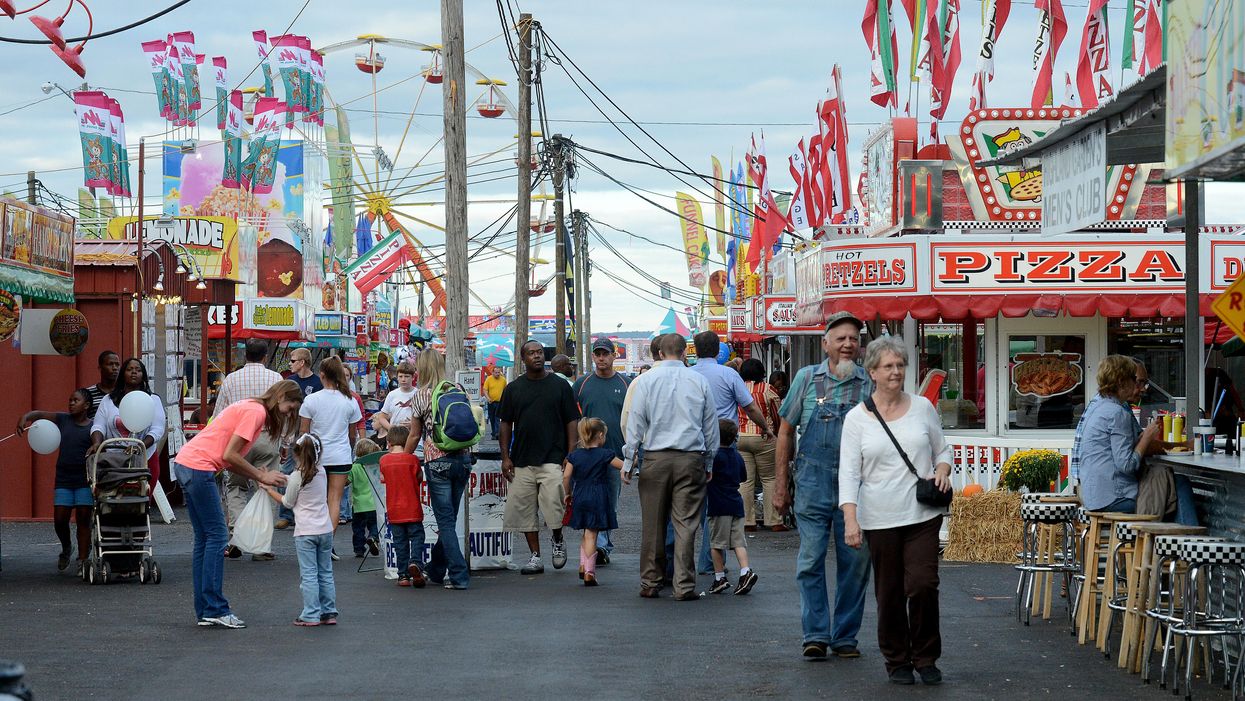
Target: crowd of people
{"points": [[698, 440]]}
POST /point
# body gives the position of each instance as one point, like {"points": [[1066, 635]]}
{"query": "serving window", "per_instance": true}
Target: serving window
{"points": [[951, 372]]}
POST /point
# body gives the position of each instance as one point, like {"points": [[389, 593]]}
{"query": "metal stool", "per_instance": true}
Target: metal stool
{"points": [[1212, 606], [1136, 601], [1165, 606], [1048, 548]]}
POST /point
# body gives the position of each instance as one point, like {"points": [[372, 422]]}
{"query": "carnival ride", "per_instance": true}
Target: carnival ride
{"points": [[384, 191]]}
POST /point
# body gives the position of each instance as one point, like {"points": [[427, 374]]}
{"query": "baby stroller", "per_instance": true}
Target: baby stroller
{"points": [[120, 529]]}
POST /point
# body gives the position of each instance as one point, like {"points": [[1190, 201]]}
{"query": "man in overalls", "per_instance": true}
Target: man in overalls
{"points": [[820, 396]]}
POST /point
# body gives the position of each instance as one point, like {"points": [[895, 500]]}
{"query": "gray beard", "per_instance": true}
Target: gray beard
{"points": [[844, 369]]}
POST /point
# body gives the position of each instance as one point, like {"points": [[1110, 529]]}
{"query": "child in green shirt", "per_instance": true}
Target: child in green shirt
{"points": [[366, 533]]}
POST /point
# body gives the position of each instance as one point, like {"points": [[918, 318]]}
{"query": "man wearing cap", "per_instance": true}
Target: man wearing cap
{"points": [[601, 396], [819, 398]]}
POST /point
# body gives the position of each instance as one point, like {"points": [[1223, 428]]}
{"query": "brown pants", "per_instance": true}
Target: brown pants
{"points": [[905, 582], [758, 455], [672, 488]]}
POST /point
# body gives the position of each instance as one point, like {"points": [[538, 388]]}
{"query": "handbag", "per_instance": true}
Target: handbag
{"points": [[927, 492]]}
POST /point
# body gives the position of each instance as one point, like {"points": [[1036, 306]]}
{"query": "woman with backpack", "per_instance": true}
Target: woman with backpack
{"points": [[437, 411]]}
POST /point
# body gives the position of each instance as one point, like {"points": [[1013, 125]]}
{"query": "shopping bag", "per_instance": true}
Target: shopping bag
{"points": [[252, 532], [162, 503]]}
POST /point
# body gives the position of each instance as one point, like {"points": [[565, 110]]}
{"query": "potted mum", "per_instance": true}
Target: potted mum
{"points": [[1033, 469]]}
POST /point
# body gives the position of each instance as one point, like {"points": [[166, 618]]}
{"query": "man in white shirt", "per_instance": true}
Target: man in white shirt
{"points": [[397, 410], [248, 382], [673, 420]]}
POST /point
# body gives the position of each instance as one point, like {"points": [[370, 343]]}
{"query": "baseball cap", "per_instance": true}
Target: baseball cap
{"points": [[839, 317], [603, 344]]}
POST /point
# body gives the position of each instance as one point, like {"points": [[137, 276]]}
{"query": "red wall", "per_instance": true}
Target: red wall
{"points": [[45, 382]]}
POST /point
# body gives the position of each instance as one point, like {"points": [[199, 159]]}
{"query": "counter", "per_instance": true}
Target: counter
{"points": [[1218, 489]]}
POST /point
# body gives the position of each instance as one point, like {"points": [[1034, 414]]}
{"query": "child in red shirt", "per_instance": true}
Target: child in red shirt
{"points": [[399, 471]]}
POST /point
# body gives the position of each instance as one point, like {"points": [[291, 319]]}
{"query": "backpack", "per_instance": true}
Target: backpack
{"points": [[454, 424]]}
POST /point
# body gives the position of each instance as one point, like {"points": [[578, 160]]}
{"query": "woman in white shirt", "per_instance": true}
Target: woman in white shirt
{"points": [[877, 493], [332, 414], [108, 424]]}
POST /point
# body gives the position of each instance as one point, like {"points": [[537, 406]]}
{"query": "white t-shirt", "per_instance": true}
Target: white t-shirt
{"points": [[398, 407], [331, 413], [872, 474]]}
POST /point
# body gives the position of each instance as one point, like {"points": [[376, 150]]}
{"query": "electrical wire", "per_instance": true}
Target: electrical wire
{"points": [[101, 35]]}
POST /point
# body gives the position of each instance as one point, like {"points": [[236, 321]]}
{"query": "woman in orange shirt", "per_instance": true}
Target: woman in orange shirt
{"points": [[758, 451]]}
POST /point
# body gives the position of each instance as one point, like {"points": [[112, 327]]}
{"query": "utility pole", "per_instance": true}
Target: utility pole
{"points": [[30, 187], [455, 110], [555, 146], [577, 230], [523, 215], [585, 291]]}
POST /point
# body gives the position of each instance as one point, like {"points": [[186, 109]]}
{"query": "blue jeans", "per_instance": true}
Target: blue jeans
{"points": [[447, 479], [818, 516], [1123, 505], [1186, 508], [211, 537], [287, 468], [345, 511], [408, 545], [361, 527], [315, 569], [494, 419]]}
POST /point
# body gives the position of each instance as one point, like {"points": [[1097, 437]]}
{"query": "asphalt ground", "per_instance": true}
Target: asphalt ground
{"points": [[508, 636]]}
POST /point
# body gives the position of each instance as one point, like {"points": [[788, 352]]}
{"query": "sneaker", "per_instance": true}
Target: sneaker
{"points": [[328, 619], [746, 583], [459, 587], [404, 581], [847, 652], [417, 577], [930, 675], [204, 623], [902, 675], [62, 561], [264, 557], [590, 579], [333, 554], [227, 621], [373, 547], [559, 554], [535, 566], [305, 624], [282, 524], [720, 585], [815, 649], [232, 552], [361, 554], [603, 557], [341, 521], [81, 566]]}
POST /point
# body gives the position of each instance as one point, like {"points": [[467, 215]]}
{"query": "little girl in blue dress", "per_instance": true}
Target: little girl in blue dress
{"points": [[585, 477]]}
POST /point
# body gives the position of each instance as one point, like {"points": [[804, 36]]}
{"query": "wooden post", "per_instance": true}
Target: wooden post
{"points": [[523, 215], [31, 182], [559, 265], [455, 110], [586, 321], [138, 255]]}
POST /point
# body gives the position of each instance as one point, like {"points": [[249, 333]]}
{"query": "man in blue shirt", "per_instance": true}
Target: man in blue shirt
{"points": [[730, 396], [672, 419], [819, 399]]}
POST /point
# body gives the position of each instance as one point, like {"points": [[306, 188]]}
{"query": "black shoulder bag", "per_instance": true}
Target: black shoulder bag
{"points": [[927, 492]]}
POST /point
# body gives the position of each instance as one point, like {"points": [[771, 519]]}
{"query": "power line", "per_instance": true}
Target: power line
{"points": [[101, 35]]}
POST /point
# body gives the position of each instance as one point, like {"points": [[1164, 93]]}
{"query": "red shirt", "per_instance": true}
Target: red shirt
{"points": [[400, 473]]}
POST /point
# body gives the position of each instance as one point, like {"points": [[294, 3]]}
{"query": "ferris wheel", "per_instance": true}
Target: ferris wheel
{"points": [[389, 189]]}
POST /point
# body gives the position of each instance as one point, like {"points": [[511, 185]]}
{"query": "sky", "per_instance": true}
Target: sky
{"points": [[700, 77]]}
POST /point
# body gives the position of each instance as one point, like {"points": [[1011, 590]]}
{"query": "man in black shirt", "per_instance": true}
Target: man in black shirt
{"points": [[538, 422], [109, 369]]}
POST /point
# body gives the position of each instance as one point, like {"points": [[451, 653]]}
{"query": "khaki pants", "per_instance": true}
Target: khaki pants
{"points": [[672, 487], [758, 455], [264, 454]]}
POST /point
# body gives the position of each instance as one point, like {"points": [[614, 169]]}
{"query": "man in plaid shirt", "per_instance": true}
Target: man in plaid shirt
{"points": [[247, 382]]}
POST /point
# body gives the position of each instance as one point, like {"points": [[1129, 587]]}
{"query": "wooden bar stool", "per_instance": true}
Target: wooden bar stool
{"points": [[1119, 564], [1140, 578], [1097, 546]]}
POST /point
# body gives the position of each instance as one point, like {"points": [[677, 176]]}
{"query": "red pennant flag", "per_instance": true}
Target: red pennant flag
{"points": [[1093, 69], [1052, 28]]}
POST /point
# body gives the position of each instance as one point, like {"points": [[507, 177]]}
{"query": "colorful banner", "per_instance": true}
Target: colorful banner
{"points": [[372, 268], [36, 252], [1205, 86], [285, 57], [719, 205], [341, 183], [695, 242], [193, 188], [211, 241], [231, 168], [157, 56], [219, 77], [1093, 68], [95, 133], [1052, 28], [261, 47], [995, 19], [259, 169], [879, 29]]}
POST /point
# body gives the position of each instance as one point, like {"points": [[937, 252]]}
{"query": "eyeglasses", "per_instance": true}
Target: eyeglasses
{"points": [[1141, 382]]}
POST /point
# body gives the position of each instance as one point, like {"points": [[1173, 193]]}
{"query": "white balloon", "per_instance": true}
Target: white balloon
{"points": [[44, 437], [136, 411]]}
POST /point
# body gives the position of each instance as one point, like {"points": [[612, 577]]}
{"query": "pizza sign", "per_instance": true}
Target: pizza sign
{"points": [[1049, 266]]}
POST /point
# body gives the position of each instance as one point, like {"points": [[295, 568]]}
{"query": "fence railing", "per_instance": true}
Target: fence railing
{"points": [[979, 459]]}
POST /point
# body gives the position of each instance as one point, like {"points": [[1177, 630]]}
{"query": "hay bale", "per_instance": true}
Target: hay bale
{"points": [[985, 527]]}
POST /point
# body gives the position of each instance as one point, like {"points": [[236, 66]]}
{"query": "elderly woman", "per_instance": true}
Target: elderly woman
{"points": [[877, 493], [1111, 445]]}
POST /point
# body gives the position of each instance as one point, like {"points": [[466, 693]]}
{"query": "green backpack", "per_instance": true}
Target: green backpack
{"points": [[454, 424]]}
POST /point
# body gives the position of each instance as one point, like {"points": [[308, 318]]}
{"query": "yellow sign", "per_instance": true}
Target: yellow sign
{"points": [[211, 241], [1230, 306]]}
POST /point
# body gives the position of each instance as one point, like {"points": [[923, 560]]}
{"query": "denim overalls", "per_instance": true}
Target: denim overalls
{"points": [[817, 513]]}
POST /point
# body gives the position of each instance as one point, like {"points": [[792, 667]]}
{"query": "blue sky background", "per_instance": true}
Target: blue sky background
{"points": [[700, 76]]}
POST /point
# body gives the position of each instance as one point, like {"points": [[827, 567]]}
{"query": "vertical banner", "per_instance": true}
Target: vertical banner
{"points": [[995, 19], [156, 53], [285, 55], [219, 66], [261, 47], [695, 243], [185, 42], [231, 174], [94, 131], [1093, 67], [719, 206]]}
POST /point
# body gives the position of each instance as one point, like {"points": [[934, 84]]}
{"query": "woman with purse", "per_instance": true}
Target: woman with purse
{"points": [[894, 486]]}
